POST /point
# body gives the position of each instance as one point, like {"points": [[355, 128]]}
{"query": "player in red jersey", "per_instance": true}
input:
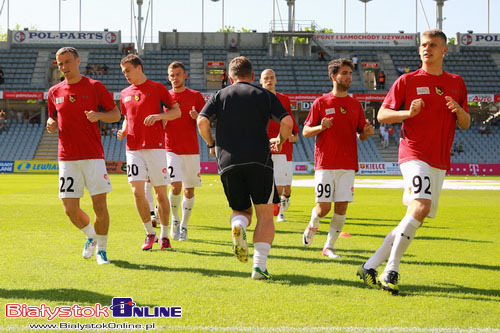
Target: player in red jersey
{"points": [[73, 109], [283, 165], [141, 104], [183, 152], [434, 103], [337, 120]]}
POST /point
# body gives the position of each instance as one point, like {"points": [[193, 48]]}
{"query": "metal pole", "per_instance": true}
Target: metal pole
{"points": [[222, 15], [139, 30], [488, 16], [8, 14], [416, 16], [365, 17], [274, 15], [345, 16], [151, 21], [131, 19], [80, 15], [59, 15], [202, 16]]}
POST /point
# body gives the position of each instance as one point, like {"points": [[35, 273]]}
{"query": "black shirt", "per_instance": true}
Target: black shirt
{"points": [[242, 111]]}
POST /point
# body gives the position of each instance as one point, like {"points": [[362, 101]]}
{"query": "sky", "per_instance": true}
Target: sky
{"points": [[383, 16]]}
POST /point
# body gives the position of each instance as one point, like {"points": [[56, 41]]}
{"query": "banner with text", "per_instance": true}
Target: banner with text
{"points": [[66, 37], [487, 40], [6, 166], [474, 169], [360, 39], [36, 166]]}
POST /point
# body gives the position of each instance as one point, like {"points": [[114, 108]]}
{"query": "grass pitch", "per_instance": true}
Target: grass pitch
{"points": [[450, 275]]}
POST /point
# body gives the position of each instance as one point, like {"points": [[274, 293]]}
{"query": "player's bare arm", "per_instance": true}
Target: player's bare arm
{"points": [[108, 117], [206, 134], [293, 138], [173, 113], [368, 131], [51, 125], [463, 118], [308, 131], [286, 127], [193, 113], [121, 134], [389, 116]]}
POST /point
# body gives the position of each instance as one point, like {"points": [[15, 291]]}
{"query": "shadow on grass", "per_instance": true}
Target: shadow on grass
{"points": [[453, 291], [433, 238], [76, 296]]}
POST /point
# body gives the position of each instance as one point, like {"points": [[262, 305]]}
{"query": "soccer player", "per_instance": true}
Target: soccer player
{"points": [[141, 104], [241, 146], [183, 151], [434, 102], [336, 119], [73, 109], [283, 165]]}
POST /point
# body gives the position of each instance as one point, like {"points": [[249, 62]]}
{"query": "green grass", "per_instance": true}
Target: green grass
{"points": [[450, 275]]}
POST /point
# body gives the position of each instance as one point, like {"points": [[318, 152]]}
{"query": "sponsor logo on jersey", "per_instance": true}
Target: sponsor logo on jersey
{"points": [[439, 91], [72, 98], [423, 91], [136, 97], [127, 98], [342, 110], [330, 111], [60, 100]]}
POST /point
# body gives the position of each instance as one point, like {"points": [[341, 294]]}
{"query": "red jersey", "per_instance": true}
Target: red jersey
{"points": [[273, 129], [428, 136], [79, 139], [181, 137], [336, 147], [139, 101]]}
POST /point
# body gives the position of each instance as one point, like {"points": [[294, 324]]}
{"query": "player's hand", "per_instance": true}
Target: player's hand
{"points": [[275, 144], [326, 123], [92, 116], [151, 119], [51, 125], [416, 107], [368, 130], [212, 151], [193, 113], [121, 134], [453, 105]]}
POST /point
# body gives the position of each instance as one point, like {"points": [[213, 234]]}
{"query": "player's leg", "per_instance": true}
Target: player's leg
{"points": [[98, 184], [191, 174], [148, 189], [281, 205], [287, 192], [280, 171], [343, 194], [263, 195], [237, 195], [164, 214], [324, 190], [71, 185], [175, 197]]}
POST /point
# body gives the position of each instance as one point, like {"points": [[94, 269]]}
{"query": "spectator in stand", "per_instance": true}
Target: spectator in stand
{"points": [[19, 117], [355, 62], [2, 80], [4, 127], [105, 69], [407, 70], [124, 49], [26, 117], [381, 80], [460, 148], [130, 48], [114, 130], [224, 78], [401, 70], [321, 56], [390, 131], [233, 46], [482, 129], [88, 69]]}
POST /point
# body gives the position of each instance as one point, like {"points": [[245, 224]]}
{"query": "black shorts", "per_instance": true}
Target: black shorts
{"points": [[244, 184]]}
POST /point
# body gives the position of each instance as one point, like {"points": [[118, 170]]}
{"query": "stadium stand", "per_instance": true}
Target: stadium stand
{"points": [[20, 142]]}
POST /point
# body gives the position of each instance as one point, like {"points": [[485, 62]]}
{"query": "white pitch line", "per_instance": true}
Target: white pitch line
{"points": [[331, 329]]}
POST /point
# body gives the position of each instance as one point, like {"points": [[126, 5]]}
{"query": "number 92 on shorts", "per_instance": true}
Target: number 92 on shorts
{"points": [[334, 185]]}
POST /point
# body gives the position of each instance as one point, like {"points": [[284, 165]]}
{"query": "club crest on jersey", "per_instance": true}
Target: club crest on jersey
{"points": [[423, 91], [60, 100], [439, 91], [342, 110], [136, 97], [330, 111], [127, 98], [72, 98]]}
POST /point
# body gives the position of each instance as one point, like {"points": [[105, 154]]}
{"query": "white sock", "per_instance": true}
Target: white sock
{"points": [[260, 253], [149, 228], [175, 201], [89, 231], [314, 222], [102, 241], [164, 231], [239, 220], [282, 201], [187, 207], [405, 232], [148, 189], [382, 253], [336, 225]]}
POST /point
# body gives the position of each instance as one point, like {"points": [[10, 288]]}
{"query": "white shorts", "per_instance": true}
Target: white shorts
{"points": [[282, 174], [334, 185], [185, 169], [75, 175], [147, 164], [421, 181]]}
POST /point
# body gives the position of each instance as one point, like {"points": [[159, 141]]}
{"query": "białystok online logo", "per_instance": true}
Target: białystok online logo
{"points": [[121, 307]]}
